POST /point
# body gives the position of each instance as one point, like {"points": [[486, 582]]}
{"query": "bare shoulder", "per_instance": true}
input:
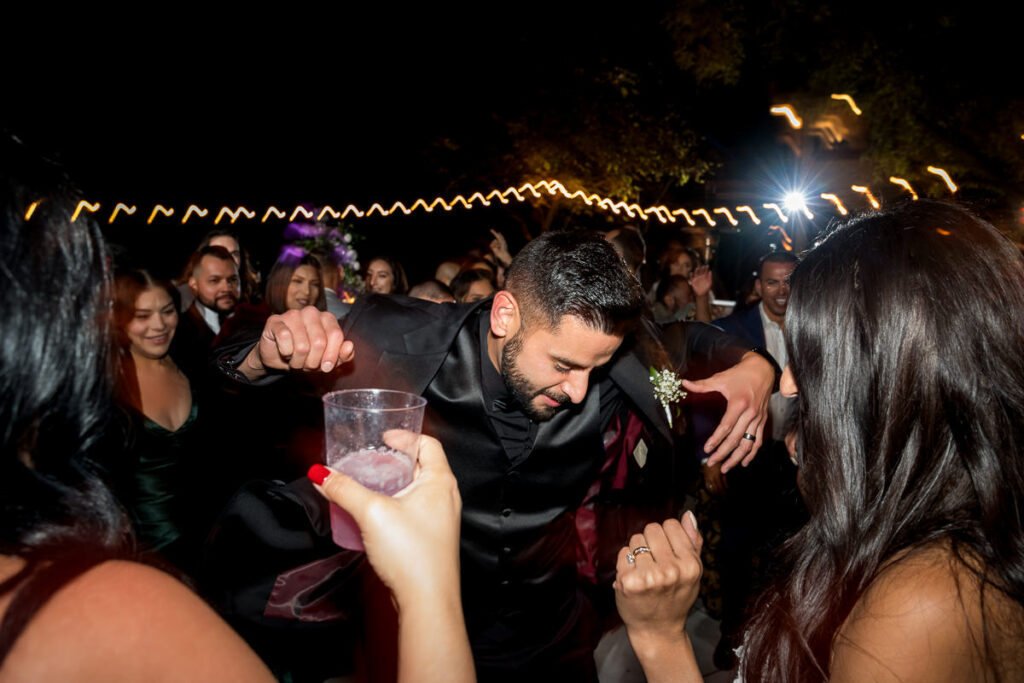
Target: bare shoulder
{"points": [[126, 621], [922, 620]]}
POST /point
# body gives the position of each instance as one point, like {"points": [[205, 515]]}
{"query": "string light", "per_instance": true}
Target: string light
{"points": [[707, 216], [789, 113], [849, 100], [193, 209], [686, 215], [31, 210], [120, 207], [773, 205], [234, 214], [750, 212], [159, 208], [867, 193], [91, 208], [273, 210], [725, 212], [904, 184], [306, 213], [945, 177], [835, 200]]}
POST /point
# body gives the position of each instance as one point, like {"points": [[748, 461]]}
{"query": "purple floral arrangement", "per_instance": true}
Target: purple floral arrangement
{"points": [[318, 238]]}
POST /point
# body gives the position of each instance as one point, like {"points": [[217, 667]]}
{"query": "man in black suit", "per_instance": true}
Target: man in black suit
{"points": [[519, 392]]}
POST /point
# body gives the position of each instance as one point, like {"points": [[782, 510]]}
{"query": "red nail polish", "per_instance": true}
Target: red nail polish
{"points": [[317, 474]]}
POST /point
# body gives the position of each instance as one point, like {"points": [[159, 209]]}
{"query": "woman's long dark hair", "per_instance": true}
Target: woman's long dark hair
{"points": [[54, 367], [905, 334]]}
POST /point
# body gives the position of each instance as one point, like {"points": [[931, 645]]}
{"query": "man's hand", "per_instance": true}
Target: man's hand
{"points": [[701, 281], [654, 594], [747, 388], [305, 339]]}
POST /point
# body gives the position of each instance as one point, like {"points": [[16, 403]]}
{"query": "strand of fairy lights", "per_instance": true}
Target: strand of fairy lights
{"points": [[536, 190]]}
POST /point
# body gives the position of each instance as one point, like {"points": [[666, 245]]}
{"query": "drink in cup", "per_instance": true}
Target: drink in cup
{"points": [[370, 435]]}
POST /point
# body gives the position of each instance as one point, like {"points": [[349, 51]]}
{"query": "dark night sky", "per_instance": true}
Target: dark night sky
{"points": [[332, 108]]}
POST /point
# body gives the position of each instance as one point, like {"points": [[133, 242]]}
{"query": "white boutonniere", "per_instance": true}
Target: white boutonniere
{"points": [[668, 389]]}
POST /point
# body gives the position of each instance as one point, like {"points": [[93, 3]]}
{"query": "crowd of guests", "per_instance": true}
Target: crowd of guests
{"points": [[876, 535]]}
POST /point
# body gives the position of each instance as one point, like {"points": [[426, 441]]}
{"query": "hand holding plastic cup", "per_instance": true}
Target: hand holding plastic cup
{"points": [[370, 435]]}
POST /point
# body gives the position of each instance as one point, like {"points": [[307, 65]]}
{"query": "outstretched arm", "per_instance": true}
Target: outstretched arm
{"points": [[412, 541], [747, 388], [654, 593]]}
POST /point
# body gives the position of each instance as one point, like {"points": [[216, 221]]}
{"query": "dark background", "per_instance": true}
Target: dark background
{"points": [[377, 105]]}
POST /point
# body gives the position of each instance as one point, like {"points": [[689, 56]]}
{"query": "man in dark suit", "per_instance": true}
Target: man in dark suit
{"points": [[519, 392]]}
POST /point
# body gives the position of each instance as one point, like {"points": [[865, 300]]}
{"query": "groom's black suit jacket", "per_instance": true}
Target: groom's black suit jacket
{"points": [[518, 536]]}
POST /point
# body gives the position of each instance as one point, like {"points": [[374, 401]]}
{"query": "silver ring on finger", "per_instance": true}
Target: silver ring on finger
{"points": [[640, 550], [749, 437]]}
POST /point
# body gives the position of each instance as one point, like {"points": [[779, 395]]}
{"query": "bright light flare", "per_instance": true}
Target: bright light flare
{"points": [[795, 202], [843, 97], [787, 111], [836, 201], [867, 193], [904, 184], [945, 177]]}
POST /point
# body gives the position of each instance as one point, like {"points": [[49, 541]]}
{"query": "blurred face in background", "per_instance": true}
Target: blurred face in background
{"points": [[379, 278], [231, 244], [479, 290], [303, 288], [152, 326], [682, 265]]}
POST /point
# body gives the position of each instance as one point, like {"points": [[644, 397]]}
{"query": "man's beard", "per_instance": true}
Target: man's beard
{"points": [[218, 305], [520, 388]]}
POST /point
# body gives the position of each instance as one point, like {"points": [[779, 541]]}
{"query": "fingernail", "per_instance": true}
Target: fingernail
{"points": [[327, 366], [693, 519], [317, 474]]}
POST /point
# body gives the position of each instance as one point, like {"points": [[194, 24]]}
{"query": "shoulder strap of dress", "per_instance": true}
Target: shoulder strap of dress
{"points": [[36, 583]]}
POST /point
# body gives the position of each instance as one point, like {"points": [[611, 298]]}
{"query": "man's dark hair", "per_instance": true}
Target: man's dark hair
{"points": [[431, 289], [775, 257], [209, 250], [577, 274]]}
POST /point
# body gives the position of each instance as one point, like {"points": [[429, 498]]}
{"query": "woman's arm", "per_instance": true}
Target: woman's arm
{"points": [[123, 621], [412, 541], [654, 593]]}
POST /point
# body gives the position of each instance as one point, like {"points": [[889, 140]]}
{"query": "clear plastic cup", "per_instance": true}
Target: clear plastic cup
{"points": [[371, 435]]}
